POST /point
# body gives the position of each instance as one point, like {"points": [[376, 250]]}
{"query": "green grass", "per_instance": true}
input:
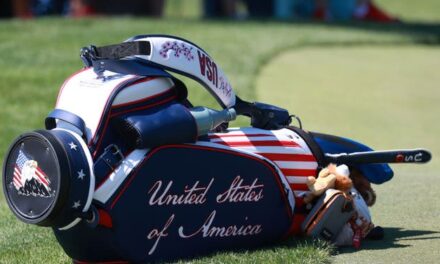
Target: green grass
{"points": [[426, 10], [387, 97], [36, 56]]}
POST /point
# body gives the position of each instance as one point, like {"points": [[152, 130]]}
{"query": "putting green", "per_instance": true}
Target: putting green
{"points": [[386, 97]]}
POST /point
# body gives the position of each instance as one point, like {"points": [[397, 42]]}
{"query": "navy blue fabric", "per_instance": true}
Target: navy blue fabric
{"points": [[79, 187], [222, 192], [139, 215], [107, 162], [375, 173], [105, 136], [89, 245], [66, 116], [170, 124]]}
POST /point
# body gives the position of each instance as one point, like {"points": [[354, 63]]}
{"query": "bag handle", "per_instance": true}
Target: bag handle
{"points": [[66, 116]]}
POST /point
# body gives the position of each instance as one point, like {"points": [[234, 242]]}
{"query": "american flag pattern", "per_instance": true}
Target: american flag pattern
{"points": [[284, 147], [20, 179]]}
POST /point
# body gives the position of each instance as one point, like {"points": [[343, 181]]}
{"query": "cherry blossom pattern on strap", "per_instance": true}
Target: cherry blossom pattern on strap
{"points": [[179, 50]]}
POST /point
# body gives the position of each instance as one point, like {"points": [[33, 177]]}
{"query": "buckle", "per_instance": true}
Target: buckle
{"points": [[116, 156]]}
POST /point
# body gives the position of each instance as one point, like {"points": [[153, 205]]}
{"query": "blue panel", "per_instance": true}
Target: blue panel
{"points": [[200, 207], [183, 201], [375, 173]]}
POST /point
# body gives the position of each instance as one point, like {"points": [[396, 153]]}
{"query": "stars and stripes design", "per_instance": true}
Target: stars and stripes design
{"points": [[27, 169], [284, 147]]}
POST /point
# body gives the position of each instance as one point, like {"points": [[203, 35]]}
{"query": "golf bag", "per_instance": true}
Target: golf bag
{"points": [[127, 170]]}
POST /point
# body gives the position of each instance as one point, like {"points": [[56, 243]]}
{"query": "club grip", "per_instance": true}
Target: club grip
{"points": [[383, 156]]}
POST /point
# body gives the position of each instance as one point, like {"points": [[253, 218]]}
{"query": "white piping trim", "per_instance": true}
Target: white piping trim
{"points": [[117, 177], [142, 91], [92, 173], [296, 180], [74, 223], [274, 150], [92, 178], [304, 165]]}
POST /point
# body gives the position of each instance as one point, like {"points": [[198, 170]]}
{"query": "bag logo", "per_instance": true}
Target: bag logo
{"points": [[180, 49], [29, 179]]}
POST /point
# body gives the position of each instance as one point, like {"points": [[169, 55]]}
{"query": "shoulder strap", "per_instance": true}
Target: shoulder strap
{"points": [[160, 53], [311, 143]]}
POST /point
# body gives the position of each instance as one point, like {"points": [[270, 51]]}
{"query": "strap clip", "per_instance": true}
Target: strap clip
{"points": [[109, 160]]}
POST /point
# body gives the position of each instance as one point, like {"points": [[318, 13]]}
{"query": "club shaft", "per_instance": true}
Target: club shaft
{"points": [[386, 156]]}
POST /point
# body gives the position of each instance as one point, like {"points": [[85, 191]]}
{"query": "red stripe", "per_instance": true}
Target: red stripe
{"points": [[17, 169], [17, 177], [299, 201], [146, 79], [146, 106], [299, 187], [40, 174], [298, 219], [240, 135], [17, 182], [298, 172], [143, 99], [268, 143], [288, 157]]}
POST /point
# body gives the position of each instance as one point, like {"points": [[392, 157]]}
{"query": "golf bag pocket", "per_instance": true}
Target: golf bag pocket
{"points": [[329, 215], [182, 201], [100, 99], [157, 127]]}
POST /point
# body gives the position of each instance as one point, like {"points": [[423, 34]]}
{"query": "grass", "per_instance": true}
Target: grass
{"points": [[36, 56], [387, 97]]}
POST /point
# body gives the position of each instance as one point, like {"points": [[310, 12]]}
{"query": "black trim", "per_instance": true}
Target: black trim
{"points": [[311, 143], [64, 182], [182, 91], [164, 36], [125, 49], [49, 216], [128, 66]]}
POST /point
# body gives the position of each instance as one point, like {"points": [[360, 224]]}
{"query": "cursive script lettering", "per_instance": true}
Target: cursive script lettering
{"points": [[238, 192], [209, 230], [193, 195], [156, 234]]}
